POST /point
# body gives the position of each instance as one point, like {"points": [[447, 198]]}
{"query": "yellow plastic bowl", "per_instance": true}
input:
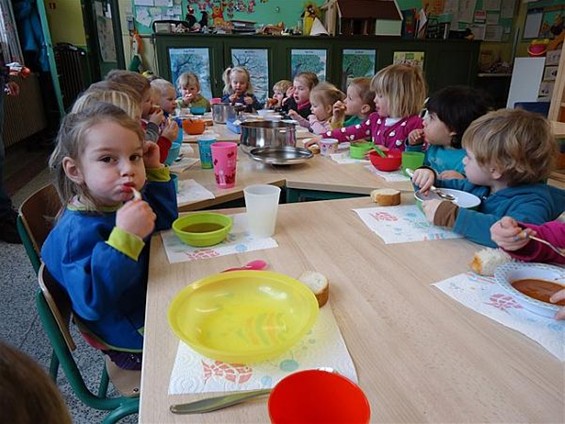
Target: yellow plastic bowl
{"points": [[202, 229], [243, 316]]}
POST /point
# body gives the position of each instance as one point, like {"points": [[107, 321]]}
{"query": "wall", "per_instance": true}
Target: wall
{"points": [[65, 22]]}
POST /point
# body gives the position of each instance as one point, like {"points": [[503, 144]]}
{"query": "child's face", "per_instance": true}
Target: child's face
{"points": [[381, 105], [476, 173], [435, 131], [301, 92], [321, 112], [278, 95], [112, 163], [193, 90], [168, 100], [353, 102], [238, 82]]}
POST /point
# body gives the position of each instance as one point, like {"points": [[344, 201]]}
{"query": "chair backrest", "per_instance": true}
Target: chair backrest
{"points": [[36, 218]]}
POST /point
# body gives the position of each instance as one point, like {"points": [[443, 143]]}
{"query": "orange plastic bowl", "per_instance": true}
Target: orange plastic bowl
{"points": [[193, 126], [316, 396], [391, 162]]}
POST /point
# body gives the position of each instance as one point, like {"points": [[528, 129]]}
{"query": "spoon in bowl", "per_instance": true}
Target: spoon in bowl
{"points": [[256, 265]]}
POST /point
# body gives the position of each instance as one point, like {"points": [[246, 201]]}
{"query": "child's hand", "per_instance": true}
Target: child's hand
{"points": [[338, 110], [451, 175], [248, 100], [151, 155], [560, 295], [136, 217], [290, 91], [424, 178], [233, 98], [314, 140], [156, 116], [430, 207], [292, 114], [506, 233], [171, 131], [416, 137]]}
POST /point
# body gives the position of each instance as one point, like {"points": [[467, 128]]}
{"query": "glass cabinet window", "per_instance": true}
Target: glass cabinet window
{"points": [[196, 60], [256, 61]]}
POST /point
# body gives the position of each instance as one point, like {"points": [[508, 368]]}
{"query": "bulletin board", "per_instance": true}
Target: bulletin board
{"points": [[545, 19]]}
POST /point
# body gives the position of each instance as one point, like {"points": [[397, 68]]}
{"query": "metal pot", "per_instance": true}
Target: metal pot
{"points": [[222, 112], [267, 134]]}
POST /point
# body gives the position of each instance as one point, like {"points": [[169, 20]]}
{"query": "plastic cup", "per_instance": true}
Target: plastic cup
{"points": [[412, 160], [316, 396], [261, 205], [204, 143], [328, 146], [224, 160]]}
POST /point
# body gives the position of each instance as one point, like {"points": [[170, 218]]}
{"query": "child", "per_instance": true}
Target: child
{"points": [[238, 89], [166, 94], [400, 91], [280, 92], [357, 106], [449, 113], [188, 86], [513, 238], [98, 250], [151, 117], [299, 103], [509, 153], [120, 98], [322, 98]]}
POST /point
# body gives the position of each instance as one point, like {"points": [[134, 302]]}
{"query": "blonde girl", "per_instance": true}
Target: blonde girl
{"points": [[322, 98], [98, 250], [188, 86], [357, 106], [400, 92], [119, 98], [238, 88], [299, 103]]}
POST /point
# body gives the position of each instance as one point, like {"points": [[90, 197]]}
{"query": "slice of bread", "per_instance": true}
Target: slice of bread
{"points": [[319, 285], [386, 196], [487, 260], [314, 148]]}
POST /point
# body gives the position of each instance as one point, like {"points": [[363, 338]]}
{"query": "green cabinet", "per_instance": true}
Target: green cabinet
{"points": [[446, 62]]}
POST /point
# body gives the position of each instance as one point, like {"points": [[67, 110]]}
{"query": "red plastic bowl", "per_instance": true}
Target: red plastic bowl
{"points": [[390, 163], [316, 396]]}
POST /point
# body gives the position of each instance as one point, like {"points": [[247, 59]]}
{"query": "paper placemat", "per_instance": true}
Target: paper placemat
{"points": [[401, 224], [344, 158], [191, 191], [323, 346], [238, 241], [485, 296], [179, 166], [393, 176]]}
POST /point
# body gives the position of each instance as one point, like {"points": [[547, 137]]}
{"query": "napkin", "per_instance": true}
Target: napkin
{"points": [[191, 191], [485, 296], [401, 224], [179, 166], [323, 346], [344, 158], [238, 240], [387, 176]]}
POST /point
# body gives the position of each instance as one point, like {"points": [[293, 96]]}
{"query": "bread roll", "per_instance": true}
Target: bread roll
{"points": [[386, 196], [314, 148], [319, 285], [487, 260]]}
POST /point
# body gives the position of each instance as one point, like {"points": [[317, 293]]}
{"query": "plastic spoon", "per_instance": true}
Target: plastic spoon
{"points": [[379, 151], [256, 265]]}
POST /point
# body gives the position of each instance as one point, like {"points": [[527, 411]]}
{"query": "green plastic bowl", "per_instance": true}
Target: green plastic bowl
{"points": [[202, 229], [359, 150]]}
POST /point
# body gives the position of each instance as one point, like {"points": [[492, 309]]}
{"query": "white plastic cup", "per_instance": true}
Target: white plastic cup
{"points": [[328, 146], [261, 204]]}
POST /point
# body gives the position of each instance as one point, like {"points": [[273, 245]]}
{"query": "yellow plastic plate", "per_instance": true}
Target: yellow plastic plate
{"points": [[243, 316]]}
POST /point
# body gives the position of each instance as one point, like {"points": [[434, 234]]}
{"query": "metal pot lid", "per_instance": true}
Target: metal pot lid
{"points": [[284, 155]]}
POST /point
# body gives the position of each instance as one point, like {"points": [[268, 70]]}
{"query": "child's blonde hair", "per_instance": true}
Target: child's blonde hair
{"points": [[187, 79], [232, 71], [404, 87], [326, 94], [119, 98], [113, 85], [282, 86], [517, 143], [132, 79], [71, 142], [162, 85], [362, 86], [309, 78]]}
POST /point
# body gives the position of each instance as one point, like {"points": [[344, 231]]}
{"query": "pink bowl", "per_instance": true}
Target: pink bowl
{"points": [[390, 163]]}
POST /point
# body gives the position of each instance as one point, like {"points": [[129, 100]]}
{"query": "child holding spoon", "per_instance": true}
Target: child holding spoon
{"points": [[513, 237]]}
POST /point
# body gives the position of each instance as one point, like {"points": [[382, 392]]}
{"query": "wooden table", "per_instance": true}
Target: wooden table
{"points": [[420, 355]]}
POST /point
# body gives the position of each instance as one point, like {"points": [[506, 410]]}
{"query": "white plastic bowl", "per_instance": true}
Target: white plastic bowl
{"points": [[462, 198]]}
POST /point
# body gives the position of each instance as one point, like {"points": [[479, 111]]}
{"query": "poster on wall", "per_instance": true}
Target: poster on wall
{"points": [[409, 58], [308, 60], [357, 63], [257, 63], [195, 60]]}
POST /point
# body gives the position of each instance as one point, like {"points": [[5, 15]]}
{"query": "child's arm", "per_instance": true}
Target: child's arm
{"points": [[303, 122], [451, 175], [251, 100], [338, 114], [351, 133], [318, 127], [416, 137]]}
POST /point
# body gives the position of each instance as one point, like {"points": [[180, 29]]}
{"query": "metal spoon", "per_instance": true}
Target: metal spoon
{"points": [[434, 189], [552, 247], [256, 265]]}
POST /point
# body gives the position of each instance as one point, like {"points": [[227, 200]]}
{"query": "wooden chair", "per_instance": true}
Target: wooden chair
{"points": [[55, 313]]}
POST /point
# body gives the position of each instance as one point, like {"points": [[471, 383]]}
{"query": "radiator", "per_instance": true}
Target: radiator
{"points": [[72, 67], [24, 115]]}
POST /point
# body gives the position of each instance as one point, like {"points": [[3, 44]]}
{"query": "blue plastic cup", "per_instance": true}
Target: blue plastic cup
{"points": [[204, 143]]}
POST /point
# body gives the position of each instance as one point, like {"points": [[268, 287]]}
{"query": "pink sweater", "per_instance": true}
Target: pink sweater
{"points": [[553, 232]]}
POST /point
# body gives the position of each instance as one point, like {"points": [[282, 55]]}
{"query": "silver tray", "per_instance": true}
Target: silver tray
{"points": [[283, 155]]}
